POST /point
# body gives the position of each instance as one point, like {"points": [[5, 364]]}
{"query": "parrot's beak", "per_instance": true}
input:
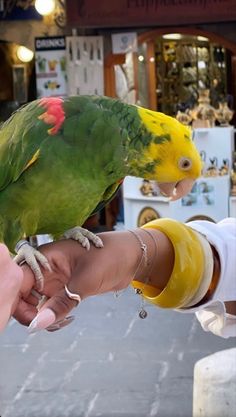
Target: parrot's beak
{"points": [[176, 190]]}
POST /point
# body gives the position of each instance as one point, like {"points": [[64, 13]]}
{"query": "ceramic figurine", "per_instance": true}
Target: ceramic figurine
{"points": [[203, 114], [233, 183], [203, 158], [212, 170], [146, 188], [224, 170], [184, 117], [233, 176], [224, 114]]}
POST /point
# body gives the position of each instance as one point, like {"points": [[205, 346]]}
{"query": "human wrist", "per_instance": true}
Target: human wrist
{"points": [[160, 254], [188, 265], [106, 269]]}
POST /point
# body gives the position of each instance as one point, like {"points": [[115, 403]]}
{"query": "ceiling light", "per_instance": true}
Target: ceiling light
{"points": [[202, 38], [24, 54], [44, 7], [141, 58], [172, 36]]}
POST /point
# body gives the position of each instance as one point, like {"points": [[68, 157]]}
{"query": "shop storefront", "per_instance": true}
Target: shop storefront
{"points": [[183, 62], [183, 46]]}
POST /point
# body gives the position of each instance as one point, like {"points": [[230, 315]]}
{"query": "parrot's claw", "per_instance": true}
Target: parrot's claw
{"points": [[84, 237], [26, 253]]}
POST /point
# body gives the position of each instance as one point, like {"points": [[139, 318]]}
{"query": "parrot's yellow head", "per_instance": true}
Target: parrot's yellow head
{"points": [[175, 161]]}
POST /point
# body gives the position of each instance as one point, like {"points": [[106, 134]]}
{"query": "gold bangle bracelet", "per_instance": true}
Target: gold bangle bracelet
{"points": [[188, 265]]}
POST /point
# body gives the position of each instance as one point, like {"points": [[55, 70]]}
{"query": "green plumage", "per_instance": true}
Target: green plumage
{"points": [[76, 168]]}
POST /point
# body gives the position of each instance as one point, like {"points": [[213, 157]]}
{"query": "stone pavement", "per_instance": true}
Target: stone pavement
{"points": [[108, 363]]}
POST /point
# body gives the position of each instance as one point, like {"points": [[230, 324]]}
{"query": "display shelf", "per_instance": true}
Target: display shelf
{"points": [[185, 66], [208, 200], [143, 198]]}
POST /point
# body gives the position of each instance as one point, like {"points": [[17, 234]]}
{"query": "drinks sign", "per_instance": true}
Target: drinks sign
{"points": [[51, 76], [128, 13]]}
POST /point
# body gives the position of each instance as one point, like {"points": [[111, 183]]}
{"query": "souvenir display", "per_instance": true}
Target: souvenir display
{"points": [[183, 67]]}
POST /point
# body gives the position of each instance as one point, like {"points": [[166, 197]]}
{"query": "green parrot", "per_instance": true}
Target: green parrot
{"points": [[63, 159]]}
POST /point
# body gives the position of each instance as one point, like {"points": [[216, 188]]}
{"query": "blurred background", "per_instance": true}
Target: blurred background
{"points": [[175, 57]]}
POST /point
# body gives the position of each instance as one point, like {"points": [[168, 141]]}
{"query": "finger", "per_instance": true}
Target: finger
{"points": [[5, 255], [35, 298], [56, 308], [25, 312]]}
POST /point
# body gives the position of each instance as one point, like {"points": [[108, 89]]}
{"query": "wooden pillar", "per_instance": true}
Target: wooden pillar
{"points": [[109, 73], [151, 74], [112, 209]]}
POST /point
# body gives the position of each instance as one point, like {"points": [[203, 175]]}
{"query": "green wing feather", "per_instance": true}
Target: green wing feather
{"points": [[20, 140], [107, 197]]}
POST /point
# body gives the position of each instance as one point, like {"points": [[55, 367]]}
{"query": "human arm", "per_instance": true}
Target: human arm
{"points": [[96, 271], [182, 270], [217, 312], [10, 282]]}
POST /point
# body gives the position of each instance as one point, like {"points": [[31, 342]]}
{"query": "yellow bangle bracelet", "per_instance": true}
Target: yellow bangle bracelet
{"points": [[188, 266]]}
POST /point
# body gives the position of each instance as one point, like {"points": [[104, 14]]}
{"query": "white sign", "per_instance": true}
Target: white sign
{"points": [[85, 65], [124, 42]]}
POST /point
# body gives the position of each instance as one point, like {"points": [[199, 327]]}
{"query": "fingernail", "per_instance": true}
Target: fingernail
{"points": [[61, 323], [53, 328], [43, 319]]}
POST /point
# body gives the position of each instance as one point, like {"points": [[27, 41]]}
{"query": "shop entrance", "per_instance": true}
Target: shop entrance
{"points": [[173, 67], [17, 79]]}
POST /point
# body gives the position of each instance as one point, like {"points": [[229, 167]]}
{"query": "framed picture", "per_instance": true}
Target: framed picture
{"points": [[20, 83]]}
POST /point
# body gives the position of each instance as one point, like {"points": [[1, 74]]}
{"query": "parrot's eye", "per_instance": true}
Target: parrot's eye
{"points": [[185, 164]]}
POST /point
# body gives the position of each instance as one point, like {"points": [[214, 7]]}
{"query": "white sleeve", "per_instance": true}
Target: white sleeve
{"points": [[212, 314]]}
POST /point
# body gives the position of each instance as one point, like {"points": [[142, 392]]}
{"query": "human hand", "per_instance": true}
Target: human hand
{"points": [[93, 272], [11, 277], [86, 272]]}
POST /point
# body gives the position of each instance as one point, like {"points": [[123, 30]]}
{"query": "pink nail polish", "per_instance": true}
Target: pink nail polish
{"points": [[43, 319]]}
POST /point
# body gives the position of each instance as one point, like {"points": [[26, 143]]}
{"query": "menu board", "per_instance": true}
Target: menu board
{"points": [[51, 76]]}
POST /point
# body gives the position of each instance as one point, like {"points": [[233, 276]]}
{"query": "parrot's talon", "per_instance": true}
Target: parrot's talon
{"points": [[47, 266], [26, 253], [19, 244], [85, 243], [84, 237]]}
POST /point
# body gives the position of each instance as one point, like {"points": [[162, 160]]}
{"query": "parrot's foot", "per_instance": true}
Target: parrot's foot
{"points": [[26, 253], [84, 237]]}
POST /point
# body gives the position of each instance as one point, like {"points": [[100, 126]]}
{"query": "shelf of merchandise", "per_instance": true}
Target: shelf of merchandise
{"points": [[183, 67]]}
